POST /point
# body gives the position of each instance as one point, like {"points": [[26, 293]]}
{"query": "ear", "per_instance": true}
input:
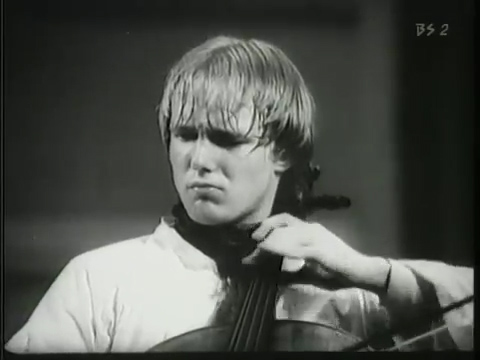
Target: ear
{"points": [[281, 161]]}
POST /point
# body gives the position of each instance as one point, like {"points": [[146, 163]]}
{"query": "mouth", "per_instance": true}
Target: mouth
{"points": [[202, 187]]}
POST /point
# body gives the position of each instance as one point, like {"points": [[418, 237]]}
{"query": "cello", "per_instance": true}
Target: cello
{"points": [[255, 327]]}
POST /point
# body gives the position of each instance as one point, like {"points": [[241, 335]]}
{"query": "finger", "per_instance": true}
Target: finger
{"points": [[319, 270], [272, 223], [285, 242], [252, 258], [290, 264]]}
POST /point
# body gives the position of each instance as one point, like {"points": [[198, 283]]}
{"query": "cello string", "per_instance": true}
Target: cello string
{"points": [[272, 288], [395, 330], [252, 333], [242, 315], [241, 318], [271, 295], [245, 324]]}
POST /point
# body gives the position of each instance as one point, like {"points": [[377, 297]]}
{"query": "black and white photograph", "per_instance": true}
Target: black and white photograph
{"points": [[237, 176]]}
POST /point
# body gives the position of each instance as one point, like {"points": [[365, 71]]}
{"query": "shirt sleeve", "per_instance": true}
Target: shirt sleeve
{"points": [[63, 319], [442, 285], [417, 286]]}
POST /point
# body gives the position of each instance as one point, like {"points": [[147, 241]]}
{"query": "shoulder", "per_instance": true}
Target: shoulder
{"points": [[115, 256], [154, 256], [123, 260]]}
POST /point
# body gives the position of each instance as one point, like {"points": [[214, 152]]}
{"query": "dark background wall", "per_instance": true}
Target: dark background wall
{"points": [[435, 124], [84, 165]]}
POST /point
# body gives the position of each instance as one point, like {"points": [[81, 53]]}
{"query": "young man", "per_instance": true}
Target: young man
{"points": [[237, 121]]}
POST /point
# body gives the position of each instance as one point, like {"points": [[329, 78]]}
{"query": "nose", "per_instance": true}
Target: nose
{"points": [[202, 155]]}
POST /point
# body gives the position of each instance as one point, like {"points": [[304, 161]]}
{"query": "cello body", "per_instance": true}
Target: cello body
{"points": [[285, 335]]}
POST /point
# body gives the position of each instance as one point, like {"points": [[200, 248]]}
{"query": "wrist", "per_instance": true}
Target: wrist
{"points": [[375, 274]]}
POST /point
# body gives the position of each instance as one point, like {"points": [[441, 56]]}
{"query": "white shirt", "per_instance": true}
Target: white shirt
{"points": [[131, 295]]}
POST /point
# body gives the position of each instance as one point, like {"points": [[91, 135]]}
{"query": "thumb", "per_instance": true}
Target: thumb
{"points": [[292, 265], [251, 259]]}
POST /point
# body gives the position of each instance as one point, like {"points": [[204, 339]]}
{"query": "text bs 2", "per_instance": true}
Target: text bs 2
{"points": [[424, 29]]}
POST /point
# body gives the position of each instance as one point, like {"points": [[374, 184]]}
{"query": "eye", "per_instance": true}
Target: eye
{"points": [[186, 134], [225, 139]]}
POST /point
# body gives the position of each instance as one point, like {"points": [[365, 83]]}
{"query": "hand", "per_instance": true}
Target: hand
{"points": [[310, 244]]}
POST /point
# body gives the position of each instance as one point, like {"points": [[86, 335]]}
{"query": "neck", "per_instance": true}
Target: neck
{"points": [[225, 244]]}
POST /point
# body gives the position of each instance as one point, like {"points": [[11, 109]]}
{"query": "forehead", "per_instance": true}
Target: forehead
{"points": [[244, 120], [214, 95]]}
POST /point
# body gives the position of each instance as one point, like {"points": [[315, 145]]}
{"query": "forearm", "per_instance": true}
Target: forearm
{"points": [[397, 287], [418, 287], [415, 288]]}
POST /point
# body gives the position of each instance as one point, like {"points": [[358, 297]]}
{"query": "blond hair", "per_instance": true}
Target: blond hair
{"points": [[225, 73]]}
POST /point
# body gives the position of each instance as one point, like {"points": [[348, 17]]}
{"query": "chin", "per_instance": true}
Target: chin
{"points": [[208, 219], [208, 216]]}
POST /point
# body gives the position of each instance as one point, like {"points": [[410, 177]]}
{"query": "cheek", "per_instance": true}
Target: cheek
{"points": [[254, 169], [260, 162], [177, 152], [177, 159]]}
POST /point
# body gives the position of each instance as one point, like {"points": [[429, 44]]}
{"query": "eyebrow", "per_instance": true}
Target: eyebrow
{"points": [[215, 131]]}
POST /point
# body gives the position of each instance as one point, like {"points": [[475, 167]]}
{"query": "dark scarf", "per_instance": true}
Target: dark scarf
{"points": [[227, 245]]}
